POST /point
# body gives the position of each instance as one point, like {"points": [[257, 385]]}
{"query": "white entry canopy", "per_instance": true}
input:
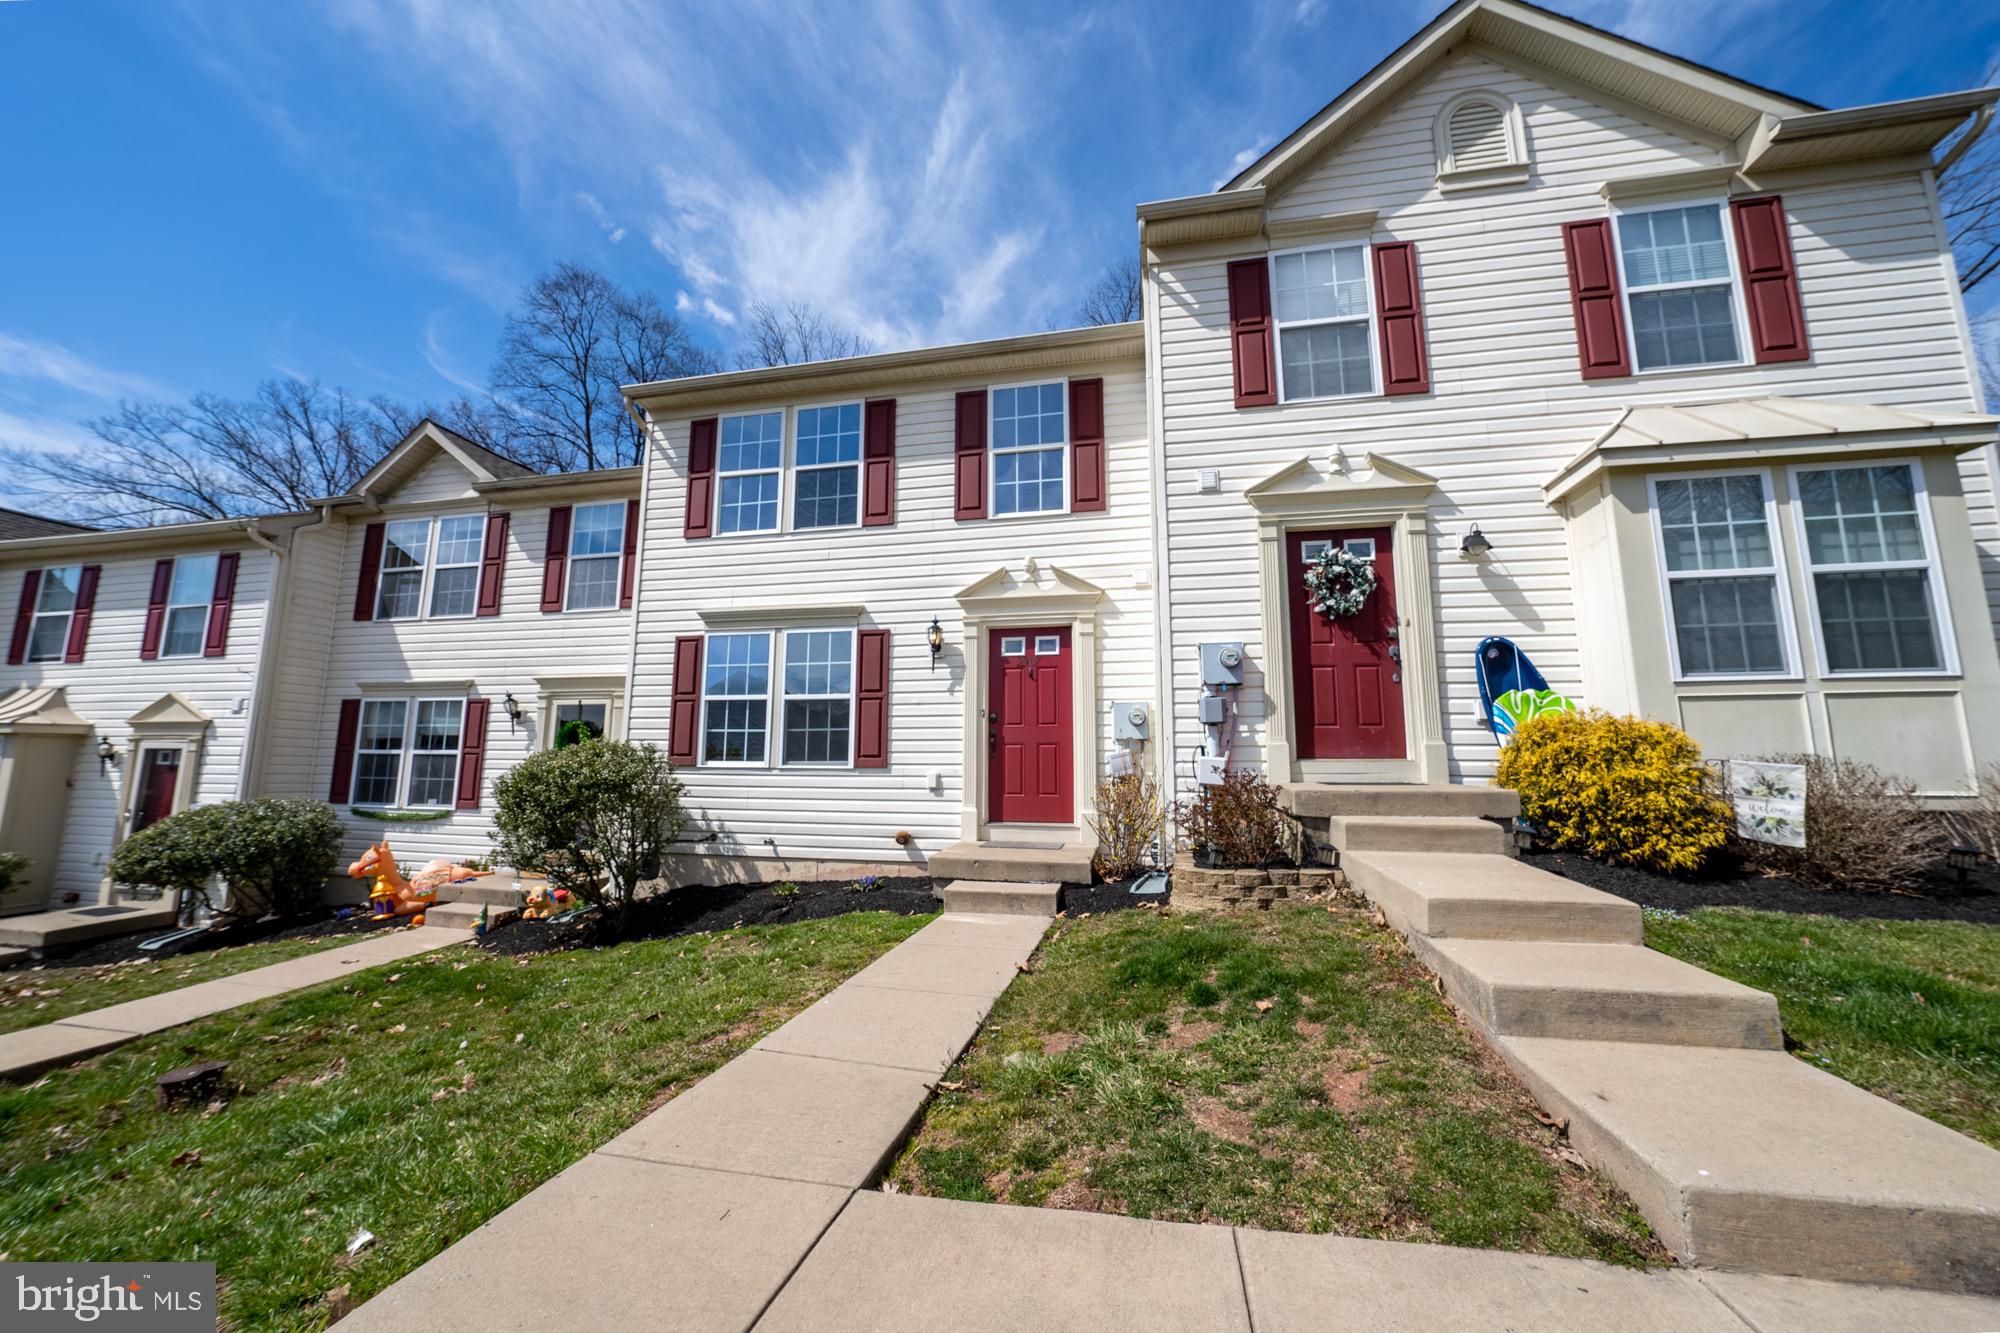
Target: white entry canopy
{"points": [[39, 710], [1765, 430]]}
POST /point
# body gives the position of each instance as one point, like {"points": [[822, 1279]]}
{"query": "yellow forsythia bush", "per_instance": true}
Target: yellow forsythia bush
{"points": [[1620, 788]]}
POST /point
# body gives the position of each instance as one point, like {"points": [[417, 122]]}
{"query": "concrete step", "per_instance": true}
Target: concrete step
{"points": [[1485, 897], [1321, 800], [494, 893], [1599, 992], [1755, 1161], [1419, 833], [1067, 864], [465, 915], [74, 925], [994, 898]]}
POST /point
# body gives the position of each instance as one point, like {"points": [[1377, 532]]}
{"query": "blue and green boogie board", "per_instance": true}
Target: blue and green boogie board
{"points": [[1511, 690]]}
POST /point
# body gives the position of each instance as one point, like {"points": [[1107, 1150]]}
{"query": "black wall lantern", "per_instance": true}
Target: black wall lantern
{"points": [[934, 636], [1475, 545], [107, 753], [513, 709]]}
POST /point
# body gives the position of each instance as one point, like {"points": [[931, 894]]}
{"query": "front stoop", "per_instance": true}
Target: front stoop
{"points": [[465, 915], [1067, 864], [1000, 898], [1418, 833], [46, 930], [1321, 800]]}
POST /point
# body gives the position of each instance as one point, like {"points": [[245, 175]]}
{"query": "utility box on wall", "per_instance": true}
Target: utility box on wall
{"points": [[1222, 664], [1131, 722]]}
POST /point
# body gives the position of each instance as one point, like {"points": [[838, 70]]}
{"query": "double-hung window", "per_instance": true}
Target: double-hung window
{"points": [[596, 555], [1680, 287], [429, 732], [748, 469], [1873, 568], [1725, 594], [1325, 347], [189, 591], [55, 602], [826, 467], [405, 554], [455, 566], [736, 699], [818, 696], [1030, 437]]}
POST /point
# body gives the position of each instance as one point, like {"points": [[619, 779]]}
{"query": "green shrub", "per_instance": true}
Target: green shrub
{"points": [[1236, 823], [595, 818], [1864, 829], [1620, 788], [12, 864], [270, 855]]}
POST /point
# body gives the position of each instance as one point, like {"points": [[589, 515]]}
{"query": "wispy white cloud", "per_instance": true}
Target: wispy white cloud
{"points": [[42, 433], [612, 231], [1243, 159], [438, 357], [35, 359]]}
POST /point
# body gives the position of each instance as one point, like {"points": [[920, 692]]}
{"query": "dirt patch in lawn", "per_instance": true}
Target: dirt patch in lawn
{"points": [[1938, 898], [1291, 1069]]}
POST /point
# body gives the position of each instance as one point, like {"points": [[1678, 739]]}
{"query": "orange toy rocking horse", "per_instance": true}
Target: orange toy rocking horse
{"points": [[395, 896]]}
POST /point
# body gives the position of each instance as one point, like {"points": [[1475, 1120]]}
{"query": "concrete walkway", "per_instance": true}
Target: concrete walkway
{"points": [[31, 1050], [743, 1203]]}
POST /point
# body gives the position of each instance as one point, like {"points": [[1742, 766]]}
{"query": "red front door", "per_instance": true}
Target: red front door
{"points": [[1028, 731], [1346, 674], [159, 775]]}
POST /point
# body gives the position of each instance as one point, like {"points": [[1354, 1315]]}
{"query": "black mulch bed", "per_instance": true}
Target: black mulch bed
{"points": [[125, 948], [1940, 898], [1077, 899]]}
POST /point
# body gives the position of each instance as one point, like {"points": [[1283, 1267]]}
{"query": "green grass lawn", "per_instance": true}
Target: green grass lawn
{"points": [[416, 1100], [1292, 1070], [43, 992], [1907, 1009]]}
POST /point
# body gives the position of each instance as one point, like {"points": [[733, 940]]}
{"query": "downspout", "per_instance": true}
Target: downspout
{"points": [[645, 420], [1167, 747], [1980, 120]]}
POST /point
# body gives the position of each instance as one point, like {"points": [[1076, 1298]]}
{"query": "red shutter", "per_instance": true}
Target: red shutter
{"points": [[1086, 445], [221, 604], [969, 456], [1251, 336], [493, 564], [472, 752], [156, 610], [1406, 361], [871, 699], [371, 571], [1770, 280], [24, 618], [684, 722], [555, 559], [701, 479], [79, 620], [878, 465], [628, 567], [1593, 296], [341, 787]]}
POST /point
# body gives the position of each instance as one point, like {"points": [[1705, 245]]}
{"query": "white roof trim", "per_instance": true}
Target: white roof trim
{"points": [[39, 710]]}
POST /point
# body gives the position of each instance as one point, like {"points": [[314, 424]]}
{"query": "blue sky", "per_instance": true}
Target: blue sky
{"points": [[200, 194]]}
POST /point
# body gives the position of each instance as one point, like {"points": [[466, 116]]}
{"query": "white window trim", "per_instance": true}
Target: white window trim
{"points": [[568, 700], [571, 558], [1788, 639], [405, 766], [993, 453], [777, 715], [788, 488], [206, 605], [770, 688], [1738, 314], [721, 474], [1933, 571], [433, 566], [1514, 169], [1278, 326], [68, 617]]}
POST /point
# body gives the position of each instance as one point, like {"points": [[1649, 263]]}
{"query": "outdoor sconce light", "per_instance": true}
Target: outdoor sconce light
{"points": [[1962, 859], [107, 754], [1475, 546], [513, 707], [934, 636]]}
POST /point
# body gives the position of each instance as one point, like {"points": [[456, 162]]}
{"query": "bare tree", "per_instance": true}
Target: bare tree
{"points": [[794, 335], [1115, 297], [562, 358], [1970, 195], [291, 443]]}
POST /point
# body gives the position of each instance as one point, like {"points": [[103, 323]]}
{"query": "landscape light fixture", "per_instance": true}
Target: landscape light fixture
{"points": [[1475, 545], [934, 636], [1962, 859]]}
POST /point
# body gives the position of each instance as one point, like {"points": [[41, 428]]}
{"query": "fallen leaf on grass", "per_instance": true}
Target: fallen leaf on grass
{"points": [[400, 1027], [395, 976], [1917, 995], [1264, 1006], [1562, 1152], [192, 1157], [949, 1085]]}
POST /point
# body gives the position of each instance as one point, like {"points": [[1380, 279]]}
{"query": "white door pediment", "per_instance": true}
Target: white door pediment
{"points": [[1313, 482]]}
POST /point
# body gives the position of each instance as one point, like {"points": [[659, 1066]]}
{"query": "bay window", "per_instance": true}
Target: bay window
{"points": [[596, 556], [55, 603], [1873, 579], [1030, 440], [1680, 287], [1726, 604], [1325, 339], [190, 588], [748, 469]]}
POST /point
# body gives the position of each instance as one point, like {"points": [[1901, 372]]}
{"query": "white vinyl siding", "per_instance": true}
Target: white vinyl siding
{"points": [[1718, 544], [1029, 443], [1865, 534], [596, 555], [1325, 340], [190, 588], [55, 604], [1680, 286], [749, 472]]}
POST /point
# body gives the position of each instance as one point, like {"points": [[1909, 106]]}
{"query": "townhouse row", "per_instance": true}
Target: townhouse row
{"points": [[1663, 376]]}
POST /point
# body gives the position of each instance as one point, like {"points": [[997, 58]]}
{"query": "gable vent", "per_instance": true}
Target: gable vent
{"points": [[1477, 137]]}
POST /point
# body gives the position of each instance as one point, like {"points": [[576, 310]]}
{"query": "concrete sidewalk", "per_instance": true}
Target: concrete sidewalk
{"points": [[32, 1050]]}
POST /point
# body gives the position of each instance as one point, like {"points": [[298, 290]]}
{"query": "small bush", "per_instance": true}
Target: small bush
{"points": [[1236, 823], [1128, 815], [272, 856], [1976, 824], [1864, 829], [595, 818], [1620, 788], [12, 866]]}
